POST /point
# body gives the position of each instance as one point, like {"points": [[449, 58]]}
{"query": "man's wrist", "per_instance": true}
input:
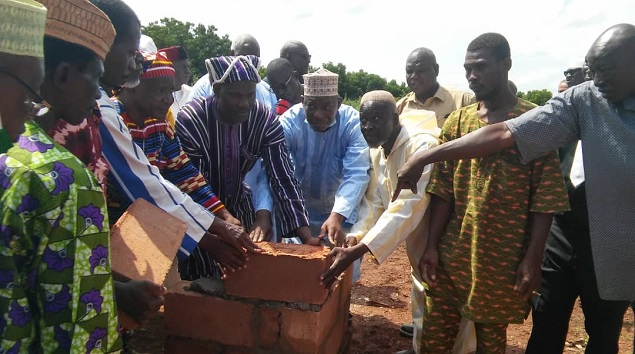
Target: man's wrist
{"points": [[338, 217]]}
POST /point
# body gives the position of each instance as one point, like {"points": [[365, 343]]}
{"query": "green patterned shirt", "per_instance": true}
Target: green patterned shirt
{"points": [[488, 231], [56, 287]]}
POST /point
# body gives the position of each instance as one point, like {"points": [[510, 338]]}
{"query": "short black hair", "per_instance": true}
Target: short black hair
{"points": [[123, 18], [491, 41], [57, 51]]}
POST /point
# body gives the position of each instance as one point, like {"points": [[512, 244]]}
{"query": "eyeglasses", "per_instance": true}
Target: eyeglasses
{"points": [[38, 105], [284, 85], [305, 56]]}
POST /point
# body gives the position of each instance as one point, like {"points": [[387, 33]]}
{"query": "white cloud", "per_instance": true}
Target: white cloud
{"points": [[377, 36]]}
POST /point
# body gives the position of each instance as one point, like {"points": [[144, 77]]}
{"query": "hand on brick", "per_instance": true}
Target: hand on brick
{"points": [[228, 257], [228, 217], [139, 299], [262, 230], [332, 228], [342, 259], [232, 234]]}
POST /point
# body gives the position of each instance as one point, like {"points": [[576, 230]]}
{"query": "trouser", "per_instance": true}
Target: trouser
{"points": [[465, 340], [442, 323], [567, 272]]}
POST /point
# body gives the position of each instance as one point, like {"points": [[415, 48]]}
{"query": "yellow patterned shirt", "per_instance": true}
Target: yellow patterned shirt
{"points": [[488, 231]]}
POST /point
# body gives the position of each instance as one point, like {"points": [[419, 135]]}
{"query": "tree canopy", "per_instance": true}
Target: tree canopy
{"points": [[202, 42], [199, 42], [539, 97]]}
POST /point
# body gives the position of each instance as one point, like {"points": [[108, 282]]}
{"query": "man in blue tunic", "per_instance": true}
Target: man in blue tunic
{"points": [[330, 155]]}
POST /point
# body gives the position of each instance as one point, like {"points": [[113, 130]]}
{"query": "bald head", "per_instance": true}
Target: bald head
{"points": [[611, 61], [422, 54], [245, 44], [298, 54], [421, 73]]}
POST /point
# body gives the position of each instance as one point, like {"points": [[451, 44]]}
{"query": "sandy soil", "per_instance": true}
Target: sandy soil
{"points": [[380, 304]]}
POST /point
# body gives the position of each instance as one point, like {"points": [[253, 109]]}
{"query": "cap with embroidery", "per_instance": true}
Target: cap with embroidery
{"points": [[229, 69], [22, 27], [174, 53], [156, 65], [321, 83], [79, 22]]}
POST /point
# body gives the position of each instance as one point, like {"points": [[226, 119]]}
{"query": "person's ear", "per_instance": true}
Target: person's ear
{"points": [[507, 63], [436, 69], [61, 75], [339, 101]]}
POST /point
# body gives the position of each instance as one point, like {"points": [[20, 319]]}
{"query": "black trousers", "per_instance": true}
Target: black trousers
{"points": [[567, 272]]}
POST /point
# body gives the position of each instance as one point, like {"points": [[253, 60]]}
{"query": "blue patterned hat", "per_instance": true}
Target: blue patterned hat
{"points": [[233, 69]]}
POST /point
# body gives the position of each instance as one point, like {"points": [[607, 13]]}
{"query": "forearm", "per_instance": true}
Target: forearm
{"points": [[540, 225], [482, 142], [440, 211]]}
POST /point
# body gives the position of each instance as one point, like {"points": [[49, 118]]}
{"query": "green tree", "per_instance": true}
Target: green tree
{"points": [[539, 97], [200, 42], [353, 85]]}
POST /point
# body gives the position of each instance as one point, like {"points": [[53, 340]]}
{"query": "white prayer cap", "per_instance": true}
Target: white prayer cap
{"points": [[321, 83]]}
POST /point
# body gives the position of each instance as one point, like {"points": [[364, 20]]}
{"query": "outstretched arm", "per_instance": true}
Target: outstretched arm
{"points": [[482, 142]]}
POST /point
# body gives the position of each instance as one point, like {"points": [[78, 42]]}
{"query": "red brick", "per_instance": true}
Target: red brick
{"points": [[193, 315], [283, 272], [144, 242], [268, 324], [304, 331], [178, 345]]}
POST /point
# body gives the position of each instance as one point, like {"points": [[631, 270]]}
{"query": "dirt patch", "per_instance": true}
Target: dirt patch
{"points": [[380, 304]]}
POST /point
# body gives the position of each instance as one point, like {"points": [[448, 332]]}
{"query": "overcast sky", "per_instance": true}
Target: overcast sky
{"points": [[545, 36]]}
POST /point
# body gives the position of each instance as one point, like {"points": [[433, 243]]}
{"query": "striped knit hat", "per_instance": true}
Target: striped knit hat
{"points": [[156, 65], [233, 69]]}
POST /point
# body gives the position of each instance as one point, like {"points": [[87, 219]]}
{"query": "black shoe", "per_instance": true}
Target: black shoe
{"points": [[408, 351], [407, 330]]}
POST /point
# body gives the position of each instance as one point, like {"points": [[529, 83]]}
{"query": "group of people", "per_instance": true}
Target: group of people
{"points": [[92, 119]]}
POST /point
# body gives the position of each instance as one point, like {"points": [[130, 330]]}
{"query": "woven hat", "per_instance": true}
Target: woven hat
{"points": [[378, 96], [174, 53], [229, 69], [22, 27], [79, 22], [156, 65], [320, 83]]}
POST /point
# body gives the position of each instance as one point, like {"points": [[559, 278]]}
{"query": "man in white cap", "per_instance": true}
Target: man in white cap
{"points": [[330, 156], [21, 64]]}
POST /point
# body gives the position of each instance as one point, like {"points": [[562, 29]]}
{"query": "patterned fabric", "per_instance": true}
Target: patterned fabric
{"points": [[81, 23], [607, 131], [158, 141], [203, 88], [321, 83], [83, 141], [442, 103], [224, 153], [229, 69], [22, 30], [134, 177], [56, 284], [156, 65], [331, 166], [488, 231], [442, 321]]}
